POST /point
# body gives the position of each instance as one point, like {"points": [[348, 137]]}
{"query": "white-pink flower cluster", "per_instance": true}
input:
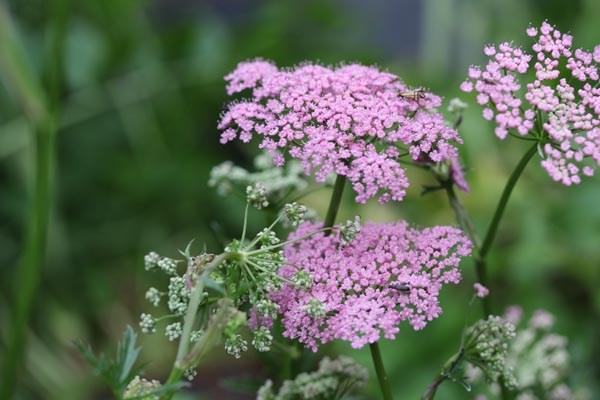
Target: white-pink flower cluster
{"points": [[560, 110], [362, 290], [353, 120]]}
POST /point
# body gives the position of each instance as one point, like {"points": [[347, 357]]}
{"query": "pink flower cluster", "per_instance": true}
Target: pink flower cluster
{"points": [[389, 273], [353, 120], [567, 112]]}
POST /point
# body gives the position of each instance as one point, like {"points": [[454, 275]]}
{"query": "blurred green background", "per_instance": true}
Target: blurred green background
{"points": [[139, 89]]}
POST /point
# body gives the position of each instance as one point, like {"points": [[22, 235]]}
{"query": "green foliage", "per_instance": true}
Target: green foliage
{"points": [[117, 372], [142, 91]]}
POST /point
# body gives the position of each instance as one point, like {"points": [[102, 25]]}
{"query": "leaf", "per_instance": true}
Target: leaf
{"points": [[127, 354], [465, 383], [214, 285], [186, 252], [119, 372]]}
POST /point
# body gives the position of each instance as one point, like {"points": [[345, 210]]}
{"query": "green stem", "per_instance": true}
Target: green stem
{"points": [[18, 76], [334, 203], [514, 177], [190, 320], [464, 221], [384, 382], [443, 375]]}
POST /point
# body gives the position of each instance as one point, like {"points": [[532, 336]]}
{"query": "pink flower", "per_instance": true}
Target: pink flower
{"points": [[480, 290], [570, 114], [353, 120], [389, 273], [457, 174], [531, 32]]}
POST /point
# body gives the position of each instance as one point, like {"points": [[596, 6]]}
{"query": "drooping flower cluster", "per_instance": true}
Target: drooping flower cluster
{"points": [[486, 346], [537, 358], [352, 120], [331, 381], [566, 113], [363, 289]]}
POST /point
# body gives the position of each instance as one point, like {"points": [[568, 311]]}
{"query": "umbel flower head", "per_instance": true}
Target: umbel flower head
{"points": [[140, 388], [363, 289], [537, 358], [331, 381], [561, 110], [278, 182], [352, 120], [486, 346]]}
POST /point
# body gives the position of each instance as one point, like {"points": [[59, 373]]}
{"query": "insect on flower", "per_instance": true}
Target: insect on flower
{"points": [[401, 287], [416, 94]]}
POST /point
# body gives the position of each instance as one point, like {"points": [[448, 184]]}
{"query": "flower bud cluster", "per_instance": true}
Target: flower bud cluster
{"points": [[257, 195], [295, 213], [537, 358], [139, 388], [486, 346], [153, 261], [278, 181], [325, 383], [350, 230], [177, 294], [541, 360]]}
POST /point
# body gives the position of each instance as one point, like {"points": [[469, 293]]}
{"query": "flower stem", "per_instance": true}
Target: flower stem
{"points": [[18, 75], [190, 320], [514, 177], [384, 382], [443, 375], [465, 222], [334, 203]]}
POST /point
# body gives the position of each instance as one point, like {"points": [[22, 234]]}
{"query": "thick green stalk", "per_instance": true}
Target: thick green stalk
{"points": [[384, 381], [514, 177], [18, 76], [334, 203]]}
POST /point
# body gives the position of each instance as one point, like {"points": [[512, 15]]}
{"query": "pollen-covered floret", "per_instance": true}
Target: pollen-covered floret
{"points": [[354, 295], [352, 120]]}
